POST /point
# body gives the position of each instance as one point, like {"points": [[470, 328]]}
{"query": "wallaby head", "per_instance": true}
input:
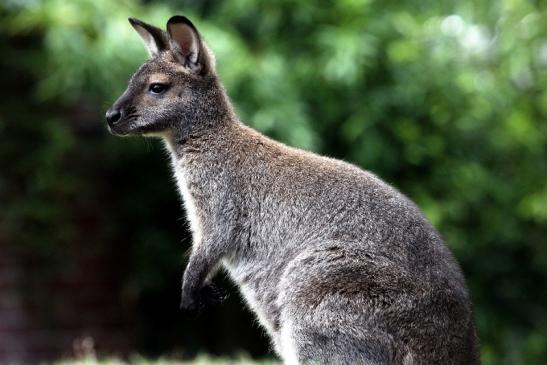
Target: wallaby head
{"points": [[174, 90]]}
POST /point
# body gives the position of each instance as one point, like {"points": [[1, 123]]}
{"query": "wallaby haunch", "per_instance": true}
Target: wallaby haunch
{"points": [[339, 267]]}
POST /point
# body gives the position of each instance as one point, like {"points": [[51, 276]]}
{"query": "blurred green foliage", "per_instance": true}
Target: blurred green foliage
{"points": [[445, 100]]}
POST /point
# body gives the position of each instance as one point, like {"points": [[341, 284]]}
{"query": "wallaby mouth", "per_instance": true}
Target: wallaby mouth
{"points": [[114, 123], [120, 122], [116, 132]]}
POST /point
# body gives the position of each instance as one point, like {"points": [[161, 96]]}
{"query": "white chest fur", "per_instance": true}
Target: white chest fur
{"points": [[187, 199]]}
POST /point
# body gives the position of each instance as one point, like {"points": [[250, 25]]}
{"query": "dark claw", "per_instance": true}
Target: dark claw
{"points": [[212, 295], [190, 305], [209, 295]]}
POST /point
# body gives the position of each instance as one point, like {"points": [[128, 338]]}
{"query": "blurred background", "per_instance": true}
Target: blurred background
{"points": [[445, 100]]}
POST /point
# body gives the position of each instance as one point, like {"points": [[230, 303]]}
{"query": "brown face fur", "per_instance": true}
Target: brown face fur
{"points": [[184, 80], [146, 112]]}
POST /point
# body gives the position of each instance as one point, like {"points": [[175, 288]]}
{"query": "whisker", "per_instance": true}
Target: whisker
{"points": [[132, 117]]}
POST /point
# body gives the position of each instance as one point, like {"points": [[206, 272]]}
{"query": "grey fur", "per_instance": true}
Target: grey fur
{"points": [[339, 267]]}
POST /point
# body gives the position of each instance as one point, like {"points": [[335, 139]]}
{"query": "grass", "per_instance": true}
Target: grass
{"points": [[200, 360]]}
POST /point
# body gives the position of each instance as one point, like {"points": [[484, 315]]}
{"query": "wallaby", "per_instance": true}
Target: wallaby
{"points": [[338, 266]]}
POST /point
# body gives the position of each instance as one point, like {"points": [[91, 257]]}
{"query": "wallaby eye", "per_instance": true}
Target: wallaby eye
{"points": [[157, 88]]}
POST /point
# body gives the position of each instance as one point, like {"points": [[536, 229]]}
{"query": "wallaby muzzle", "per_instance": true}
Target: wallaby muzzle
{"points": [[121, 115], [113, 115], [116, 120]]}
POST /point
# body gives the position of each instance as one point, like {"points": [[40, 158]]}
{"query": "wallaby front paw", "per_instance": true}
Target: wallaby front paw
{"points": [[212, 295], [195, 303], [190, 303]]}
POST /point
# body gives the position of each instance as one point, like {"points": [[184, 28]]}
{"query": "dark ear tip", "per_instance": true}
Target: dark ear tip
{"points": [[134, 21], [177, 19]]}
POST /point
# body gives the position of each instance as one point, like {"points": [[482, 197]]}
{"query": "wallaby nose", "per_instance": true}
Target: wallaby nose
{"points": [[113, 116]]}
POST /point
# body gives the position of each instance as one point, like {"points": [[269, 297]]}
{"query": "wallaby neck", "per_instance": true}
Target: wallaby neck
{"points": [[203, 124], [198, 142]]}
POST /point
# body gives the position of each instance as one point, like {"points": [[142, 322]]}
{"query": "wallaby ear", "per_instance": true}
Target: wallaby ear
{"points": [[154, 38], [185, 43]]}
